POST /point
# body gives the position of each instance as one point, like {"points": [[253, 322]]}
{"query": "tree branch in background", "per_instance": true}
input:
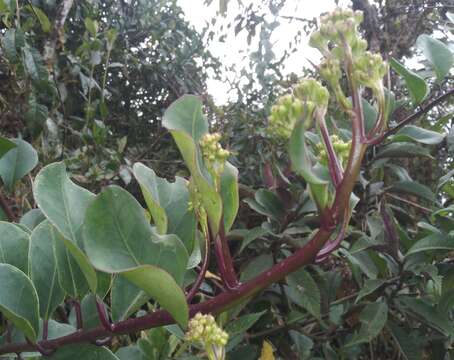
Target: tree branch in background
{"points": [[423, 110], [51, 43]]}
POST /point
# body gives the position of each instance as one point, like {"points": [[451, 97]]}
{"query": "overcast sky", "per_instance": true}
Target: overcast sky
{"points": [[234, 49]]}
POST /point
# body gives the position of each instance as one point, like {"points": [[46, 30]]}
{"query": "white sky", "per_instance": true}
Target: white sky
{"points": [[235, 48]]}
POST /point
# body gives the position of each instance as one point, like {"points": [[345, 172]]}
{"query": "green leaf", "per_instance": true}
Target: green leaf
{"points": [[185, 121], [14, 246], [427, 312], [36, 115], [34, 64], [92, 26], [19, 301], [5, 146], [127, 298], [161, 286], [168, 204], [409, 346], [153, 187], [402, 149], [436, 241], [85, 352], [12, 41], [32, 218], [119, 239], [415, 133], [42, 17], [303, 291], [271, 203], [416, 85], [17, 163], [413, 188], [370, 115], [370, 286], [70, 275], [299, 155], [43, 270], [256, 266], [251, 235], [64, 204], [439, 55], [89, 312], [131, 352], [229, 195], [373, 318], [243, 323]]}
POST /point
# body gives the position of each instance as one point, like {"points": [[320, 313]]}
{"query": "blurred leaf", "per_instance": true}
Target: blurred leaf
{"points": [[14, 246], [17, 163], [423, 136], [413, 188], [5, 146], [256, 266], [271, 203], [409, 346], [402, 149], [42, 17], [34, 64], [373, 318], [370, 286], [267, 351], [416, 85], [303, 291], [251, 235], [435, 241], [428, 313], [437, 53], [84, 351], [243, 323]]}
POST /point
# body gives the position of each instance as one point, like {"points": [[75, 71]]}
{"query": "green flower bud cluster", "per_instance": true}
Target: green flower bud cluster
{"points": [[283, 116], [369, 70], [204, 330], [339, 41], [307, 95], [213, 153], [341, 148], [335, 28]]}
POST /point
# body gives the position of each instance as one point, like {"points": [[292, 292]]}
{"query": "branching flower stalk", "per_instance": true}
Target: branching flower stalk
{"points": [[344, 52]]}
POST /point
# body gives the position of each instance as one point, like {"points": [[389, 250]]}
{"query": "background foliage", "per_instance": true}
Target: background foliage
{"points": [[91, 89]]}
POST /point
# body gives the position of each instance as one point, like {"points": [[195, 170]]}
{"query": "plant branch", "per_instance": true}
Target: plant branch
{"points": [[203, 270], [423, 110]]}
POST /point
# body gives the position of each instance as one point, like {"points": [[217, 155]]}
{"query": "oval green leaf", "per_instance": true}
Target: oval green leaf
{"points": [[439, 55], [64, 204], [17, 162], [14, 245], [43, 270], [19, 300]]}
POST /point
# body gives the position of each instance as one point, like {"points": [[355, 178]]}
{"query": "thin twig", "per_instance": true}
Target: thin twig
{"points": [[7, 209]]}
